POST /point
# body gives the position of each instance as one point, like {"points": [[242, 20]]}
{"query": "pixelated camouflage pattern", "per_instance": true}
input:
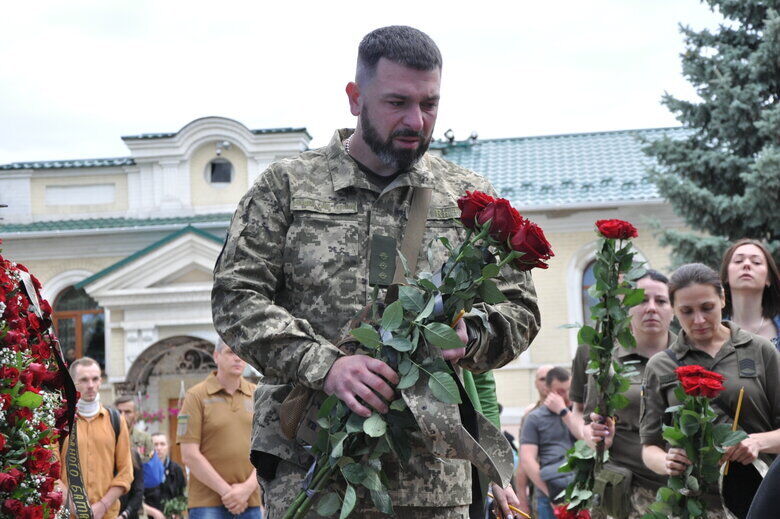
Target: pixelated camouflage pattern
{"points": [[294, 271], [280, 492], [445, 436]]}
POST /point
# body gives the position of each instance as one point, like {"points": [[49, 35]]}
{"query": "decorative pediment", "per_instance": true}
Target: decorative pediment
{"points": [[176, 267]]}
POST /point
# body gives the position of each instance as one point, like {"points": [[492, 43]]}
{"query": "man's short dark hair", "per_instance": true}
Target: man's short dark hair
{"points": [[123, 400], [559, 374], [400, 44]]}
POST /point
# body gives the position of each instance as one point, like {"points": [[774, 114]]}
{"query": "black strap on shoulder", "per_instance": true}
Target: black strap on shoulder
{"points": [[673, 356], [78, 491], [114, 415]]}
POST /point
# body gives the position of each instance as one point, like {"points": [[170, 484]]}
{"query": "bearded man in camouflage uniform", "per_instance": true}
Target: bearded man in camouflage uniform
{"points": [[294, 271]]}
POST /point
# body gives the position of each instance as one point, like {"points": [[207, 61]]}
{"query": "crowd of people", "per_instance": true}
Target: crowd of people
{"points": [[128, 473], [294, 272], [729, 323]]}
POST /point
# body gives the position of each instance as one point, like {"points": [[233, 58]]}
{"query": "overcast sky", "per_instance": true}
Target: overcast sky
{"points": [[75, 76]]}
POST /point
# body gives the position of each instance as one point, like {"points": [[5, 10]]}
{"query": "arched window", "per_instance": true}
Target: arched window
{"points": [[588, 280], [79, 324]]}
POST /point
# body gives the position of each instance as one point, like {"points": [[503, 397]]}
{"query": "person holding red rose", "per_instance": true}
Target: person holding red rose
{"points": [[710, 354], [650, 322]]}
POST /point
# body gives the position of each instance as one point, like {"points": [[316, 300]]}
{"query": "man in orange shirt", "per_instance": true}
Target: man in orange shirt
{"points": [[104, 455], [214, 429]]}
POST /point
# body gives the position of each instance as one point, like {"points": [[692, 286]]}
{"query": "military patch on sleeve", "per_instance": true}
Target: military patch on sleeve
{"points": [[181, 424]]}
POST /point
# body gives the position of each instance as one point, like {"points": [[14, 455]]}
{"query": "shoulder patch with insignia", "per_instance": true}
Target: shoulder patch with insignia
{"points": [[181, 424]]}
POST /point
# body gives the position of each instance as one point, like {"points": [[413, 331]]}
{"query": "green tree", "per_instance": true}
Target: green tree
{"points": [[723, 175]]}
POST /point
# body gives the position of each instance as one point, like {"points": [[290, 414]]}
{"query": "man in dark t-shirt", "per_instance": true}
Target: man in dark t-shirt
{"points": [[545, 438]]}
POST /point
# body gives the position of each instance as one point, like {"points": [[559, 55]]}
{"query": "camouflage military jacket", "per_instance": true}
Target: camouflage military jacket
{"points": [[294, 271]]}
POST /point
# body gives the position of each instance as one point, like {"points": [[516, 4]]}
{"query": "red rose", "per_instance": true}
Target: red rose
{"points": [[2, 441], [689, 371], [13, 506], [39, 373], [471, 204], [32, 512], [616, 229], [5, 401], [55, 470], [697, 381], [34, 322], [11, 374], [504, 219], [54, 500], [530, 240], [711, 387], [10, 480], [20, 414]]}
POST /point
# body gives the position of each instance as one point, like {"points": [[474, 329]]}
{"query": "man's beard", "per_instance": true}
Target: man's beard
{"points": [[385, 151]]}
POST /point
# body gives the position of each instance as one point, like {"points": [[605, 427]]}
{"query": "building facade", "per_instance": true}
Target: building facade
{"points": [[125, 247]]}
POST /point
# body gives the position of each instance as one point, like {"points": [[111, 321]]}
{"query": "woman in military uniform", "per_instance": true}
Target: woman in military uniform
{"points": [[752, 285], [746, 360], [650, 325]]}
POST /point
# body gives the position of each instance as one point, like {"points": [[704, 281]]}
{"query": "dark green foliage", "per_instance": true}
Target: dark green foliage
{"points": [[723, 178]]}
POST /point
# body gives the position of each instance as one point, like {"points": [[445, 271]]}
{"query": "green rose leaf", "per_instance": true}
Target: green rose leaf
{"points": [[618, 401], [374, 426], [337, 442], [444, 388], [692, 483], [367, 336], [626, 339], [490, 294], [382, 501], [400, 344], [427, 311], [490, 270], [29, 399], [350, 499], [427, 285], [725, 437], [371, 479], [695, 507], [673, 435], [689, 423], [393, 316], [404, 365], [635, 273], [355, 423], [354, 473], [328, 504], [398, 405], [411, 298], [327, 406], [410, 378], [634, 297], [587, 335], [442, 336]]}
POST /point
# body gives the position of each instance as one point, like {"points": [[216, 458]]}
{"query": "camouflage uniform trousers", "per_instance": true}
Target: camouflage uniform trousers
{"points": [[280, 493]]}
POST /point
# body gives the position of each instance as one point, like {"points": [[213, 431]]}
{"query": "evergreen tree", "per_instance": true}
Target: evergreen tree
{"points": [[723, 176]]}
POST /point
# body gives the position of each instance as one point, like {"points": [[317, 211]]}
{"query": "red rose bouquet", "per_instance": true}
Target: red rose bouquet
{"points": [[563, 512], [349, 449], [693, 429], [615, 291], [32, 409], [507, 228]]}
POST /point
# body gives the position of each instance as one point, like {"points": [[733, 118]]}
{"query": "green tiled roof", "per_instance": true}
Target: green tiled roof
{"points": [[168, 135], [560, 170], [80, 163], [111, 223], [147, 250]]}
